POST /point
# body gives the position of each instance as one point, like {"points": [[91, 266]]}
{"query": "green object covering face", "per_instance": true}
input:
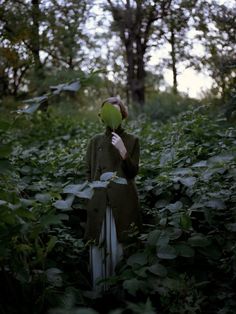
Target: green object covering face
{"points": [[110, 115]]}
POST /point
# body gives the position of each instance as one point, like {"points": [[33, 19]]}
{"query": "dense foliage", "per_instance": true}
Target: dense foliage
{"points": [[184, 259]]}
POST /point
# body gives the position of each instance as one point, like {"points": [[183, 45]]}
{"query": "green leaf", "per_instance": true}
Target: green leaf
{"points": [[43, 198], [184, 250], [26, 202], [153, 237], [107, 176], [51, 219], [81, 310], [141, 308], [25, 213], [174, 206], [163, 239], [138, 258], [173, 233], [198, 240], [5, 166], [188, 181], [120, 180], [216, 204], [54, 276], [166, 252], [61, 204], [4, 125], [29, 108], [51, 243], [185, 221], [133, 285], [73, 188], [98, 184], [72, 87], [211, 252], [111, 116], [141, 272], [222, 158], [231, 227], [168, 155], [199, 164], [158, 270], [181, 171], [87, 193], [5, 150]]}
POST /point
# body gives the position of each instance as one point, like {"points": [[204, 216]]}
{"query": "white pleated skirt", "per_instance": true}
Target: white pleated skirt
{"points": [[105, 256]]}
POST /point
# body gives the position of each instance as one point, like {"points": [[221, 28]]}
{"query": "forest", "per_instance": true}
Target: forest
{"points": [[59, 60]]}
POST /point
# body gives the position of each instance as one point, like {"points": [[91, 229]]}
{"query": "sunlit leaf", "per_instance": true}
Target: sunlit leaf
{"points": [[107, 176], [120, 180]]}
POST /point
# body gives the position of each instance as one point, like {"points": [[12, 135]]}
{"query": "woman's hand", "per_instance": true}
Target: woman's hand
{"points": [[119, 144]]}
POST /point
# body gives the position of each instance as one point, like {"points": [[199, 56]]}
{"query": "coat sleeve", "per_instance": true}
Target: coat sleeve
{"points": [[130, 164]]}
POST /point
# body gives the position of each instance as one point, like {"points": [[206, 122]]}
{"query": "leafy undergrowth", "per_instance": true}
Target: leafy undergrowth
{"points": [[184, 261]]}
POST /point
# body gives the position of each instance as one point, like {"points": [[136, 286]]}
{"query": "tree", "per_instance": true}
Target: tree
{"points": [[65, 37], [173, 29], [39, 38], [134, 22], [14, 56], [216, 25]]}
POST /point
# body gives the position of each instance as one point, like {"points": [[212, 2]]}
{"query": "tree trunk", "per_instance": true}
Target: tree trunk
{"points": [[35, 40], [140, 91], [173, 58]]}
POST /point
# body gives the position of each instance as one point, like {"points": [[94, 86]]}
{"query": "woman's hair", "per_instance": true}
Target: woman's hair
{"points": [[117, 101]]}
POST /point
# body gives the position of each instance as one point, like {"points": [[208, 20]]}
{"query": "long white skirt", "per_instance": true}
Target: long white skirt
{"points": [[105, 256]]}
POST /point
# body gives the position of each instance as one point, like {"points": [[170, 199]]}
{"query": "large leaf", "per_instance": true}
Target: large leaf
{"points": [[199, 239], [111, 116], [29, 108], [133, 285], [86, 193], [119, 180], [99, 184], [184, 250], [43, 197], [153, 237], [5, 150], [188, 181], [54, 276], [166, 252], [73, 188], [61, 204], [72, 87], [138, 258], [174, 206], [107, 176], [158, 270]]}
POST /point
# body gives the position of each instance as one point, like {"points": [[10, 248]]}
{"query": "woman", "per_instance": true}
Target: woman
{"points": [[111, 210]]}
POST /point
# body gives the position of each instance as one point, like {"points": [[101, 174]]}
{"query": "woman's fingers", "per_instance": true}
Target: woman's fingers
{"points": [[115, 138], [115, 135]]}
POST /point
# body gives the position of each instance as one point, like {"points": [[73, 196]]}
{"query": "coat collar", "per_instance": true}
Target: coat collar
{"points": [[119, 130]]}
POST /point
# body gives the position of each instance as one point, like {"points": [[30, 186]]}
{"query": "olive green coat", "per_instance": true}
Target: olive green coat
{"points": [[102, 156]]}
